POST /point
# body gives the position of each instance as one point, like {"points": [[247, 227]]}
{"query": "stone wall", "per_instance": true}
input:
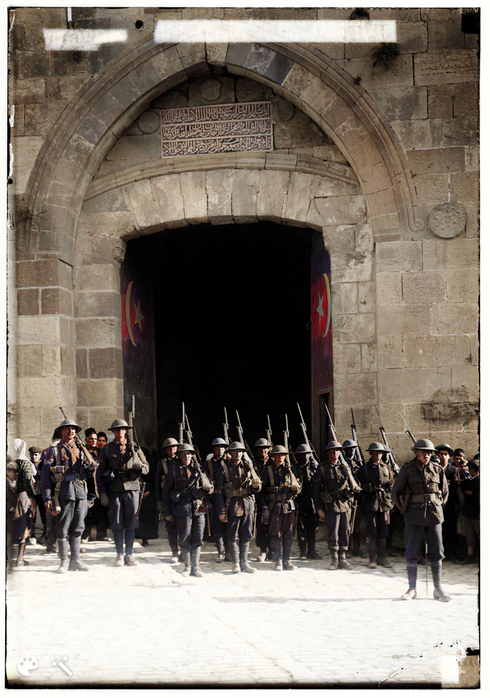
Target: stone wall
{"points": [[405, 300]]}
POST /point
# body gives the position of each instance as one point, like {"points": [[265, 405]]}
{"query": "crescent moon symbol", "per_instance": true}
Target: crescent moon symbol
{"points": [[329, 300], [128, 312]]}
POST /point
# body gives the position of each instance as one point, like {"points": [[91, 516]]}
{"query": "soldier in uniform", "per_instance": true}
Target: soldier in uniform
{"points": [[308, 501], [339, 488], [236, 482], [218, 527], [420, 491], [170, 445], [376, 483], [276, 499], [63, 482], [183, 500], [118, 483], [262, 449], [358, 533]]}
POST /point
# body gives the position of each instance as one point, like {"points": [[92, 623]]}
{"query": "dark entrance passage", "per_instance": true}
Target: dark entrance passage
{"points": [[232, 327]]}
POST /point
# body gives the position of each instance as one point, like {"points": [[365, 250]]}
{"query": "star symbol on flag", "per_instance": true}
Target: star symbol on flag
{"points": [[139, 316], [319, 310]]}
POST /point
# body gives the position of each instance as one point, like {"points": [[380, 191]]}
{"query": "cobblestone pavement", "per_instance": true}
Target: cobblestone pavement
{"points": [[150, 626]]}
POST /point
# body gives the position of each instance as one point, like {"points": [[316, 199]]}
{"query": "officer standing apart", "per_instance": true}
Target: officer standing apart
{"points": [[234, 500], [183, 500], [376, 483], [118, 483], [339, 488], [309, 502], [65, 470], [420, 491], [170, 445], [279, 488]]}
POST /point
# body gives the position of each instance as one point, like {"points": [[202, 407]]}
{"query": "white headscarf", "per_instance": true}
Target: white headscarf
{"points": [[20, 448]]}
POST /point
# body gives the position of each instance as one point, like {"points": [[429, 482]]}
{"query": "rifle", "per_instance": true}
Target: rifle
{"points": [[81, 446], [242, 440], [182, 426], [360, 457], [269, 431], [131, 417], [189, 437], [305, 434], [407, 430], [286, 444], [225, 427], [391, 458], [334, 434]]}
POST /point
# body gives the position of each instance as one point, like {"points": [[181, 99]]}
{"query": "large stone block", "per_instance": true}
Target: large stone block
{"points": [[436, 160], [445, 34], [369, 358], [465, 187], [40, 118], [472, 229], [467, 379], [273, 188], [440, 102], [424, 287], [348, 360], [99, 304], [402, 103], [29, 423], [464, 130], [472, 158], [426, 352], [81, 363], [389, 288], [462, 287], [454, 318], [390, 352], [355, 388], [375, 178], [42, 390], [458, 253], [168, 198], [357, 266], [340, 239], [28, 91], [28, 301], [105, 362], [354, 329], [56, 300], [26, 149], [37, 329], [400, 73], [96, 277], [193, 189], [136, 147], [367, 297], [112, 200], [139, 200], [29, 360], [219, 186], [301, 190], [244, 195], [409, 384], [445, 67], [398, 256], [399, 321], [97, 332], [418, 133], [344, 298], [96, 392], [466, 99], [293, 134], [338, 210], [52, 360]]}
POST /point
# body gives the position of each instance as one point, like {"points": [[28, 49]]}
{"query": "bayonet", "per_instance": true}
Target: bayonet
{"points": [[305, 434], [225, 427], [269, 431], [391, 458]]}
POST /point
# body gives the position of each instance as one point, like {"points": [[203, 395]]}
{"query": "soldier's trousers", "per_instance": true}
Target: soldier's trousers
{"points": [[240, 528], [190, 530], [338, 530], [377, 524], [122, 509], [262, 534], [307, 525], [414, 537], [70, 522], [171, 528]]}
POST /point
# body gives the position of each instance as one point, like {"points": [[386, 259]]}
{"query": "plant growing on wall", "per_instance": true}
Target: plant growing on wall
{"points": [[385, 53]]}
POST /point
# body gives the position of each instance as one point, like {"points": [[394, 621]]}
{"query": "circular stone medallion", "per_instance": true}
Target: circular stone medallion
{"points": [[282, 110], [211, 89], [447, 220], [149, 122]]}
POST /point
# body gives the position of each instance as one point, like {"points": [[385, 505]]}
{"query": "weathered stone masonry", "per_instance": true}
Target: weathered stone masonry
{"points": [[364, 154]]}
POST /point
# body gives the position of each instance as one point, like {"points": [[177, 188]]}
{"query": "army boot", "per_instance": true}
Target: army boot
{"points": [[75, 564], [244, 566], [382, 559], [372, 553], [63, 553], [312, 554], [302, 549], [186, 557], [286, 547], [412, 582], [195, 569], [234, 553], [439, 594], [334, 563], [220, 547], [343, 564], [276, 553]]}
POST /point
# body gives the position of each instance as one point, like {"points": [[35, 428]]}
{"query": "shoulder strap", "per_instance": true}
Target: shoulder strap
{"points": [[324, 472], [210, 464], [165, 467], [226, 471], [271, 475]]}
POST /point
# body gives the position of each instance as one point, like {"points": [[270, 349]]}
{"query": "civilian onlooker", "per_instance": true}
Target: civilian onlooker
{"points": [[461, 464], [25, 501], [51, 517], [452, 507], [101, 441], [471, 510], [35, 457]]}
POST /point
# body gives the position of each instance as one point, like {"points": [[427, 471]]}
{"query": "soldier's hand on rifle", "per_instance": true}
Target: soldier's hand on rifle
{"points": [[321, 515], [104, 499], [48, 506], [223, 518]]}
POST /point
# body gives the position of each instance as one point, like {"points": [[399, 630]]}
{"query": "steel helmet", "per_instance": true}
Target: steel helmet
{"points": [[236, 446], [185, 448], [303, 448], [445, 447], [349, 443], [334, 444], [119, 424], [219, 442], [262, 443], [377, 446], [170, 442], [279, 450], [423, 445], [69, 423]]}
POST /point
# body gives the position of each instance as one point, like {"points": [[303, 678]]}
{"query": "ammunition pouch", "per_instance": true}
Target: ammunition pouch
{"points": [[230, 491]]}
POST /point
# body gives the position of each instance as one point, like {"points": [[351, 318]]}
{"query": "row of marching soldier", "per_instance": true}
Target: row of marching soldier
{"points": [[267, 497]]}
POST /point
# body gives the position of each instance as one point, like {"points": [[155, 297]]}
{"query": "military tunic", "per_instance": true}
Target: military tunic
{"points": [[309, 502], [338, 489], [218, 528], [376, 503], [234, 496]]}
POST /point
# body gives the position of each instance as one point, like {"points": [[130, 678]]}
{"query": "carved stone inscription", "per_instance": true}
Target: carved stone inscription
{"points": [[218, 128]]}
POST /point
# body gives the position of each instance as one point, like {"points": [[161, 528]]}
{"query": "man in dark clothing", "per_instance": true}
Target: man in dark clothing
{"points": [[376, 483], [234, 500], [65, 470], [218, 527], [35, 458], [452, 506], [276, 501], [308, 501], [170, 445], [118, 484], [420, 492], [470, 489], [338, 490], [262, 449], [93, 502], [183, 500]]}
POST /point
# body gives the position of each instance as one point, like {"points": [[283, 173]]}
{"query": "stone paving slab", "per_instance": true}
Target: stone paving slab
{"points": [[150, 626]]}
